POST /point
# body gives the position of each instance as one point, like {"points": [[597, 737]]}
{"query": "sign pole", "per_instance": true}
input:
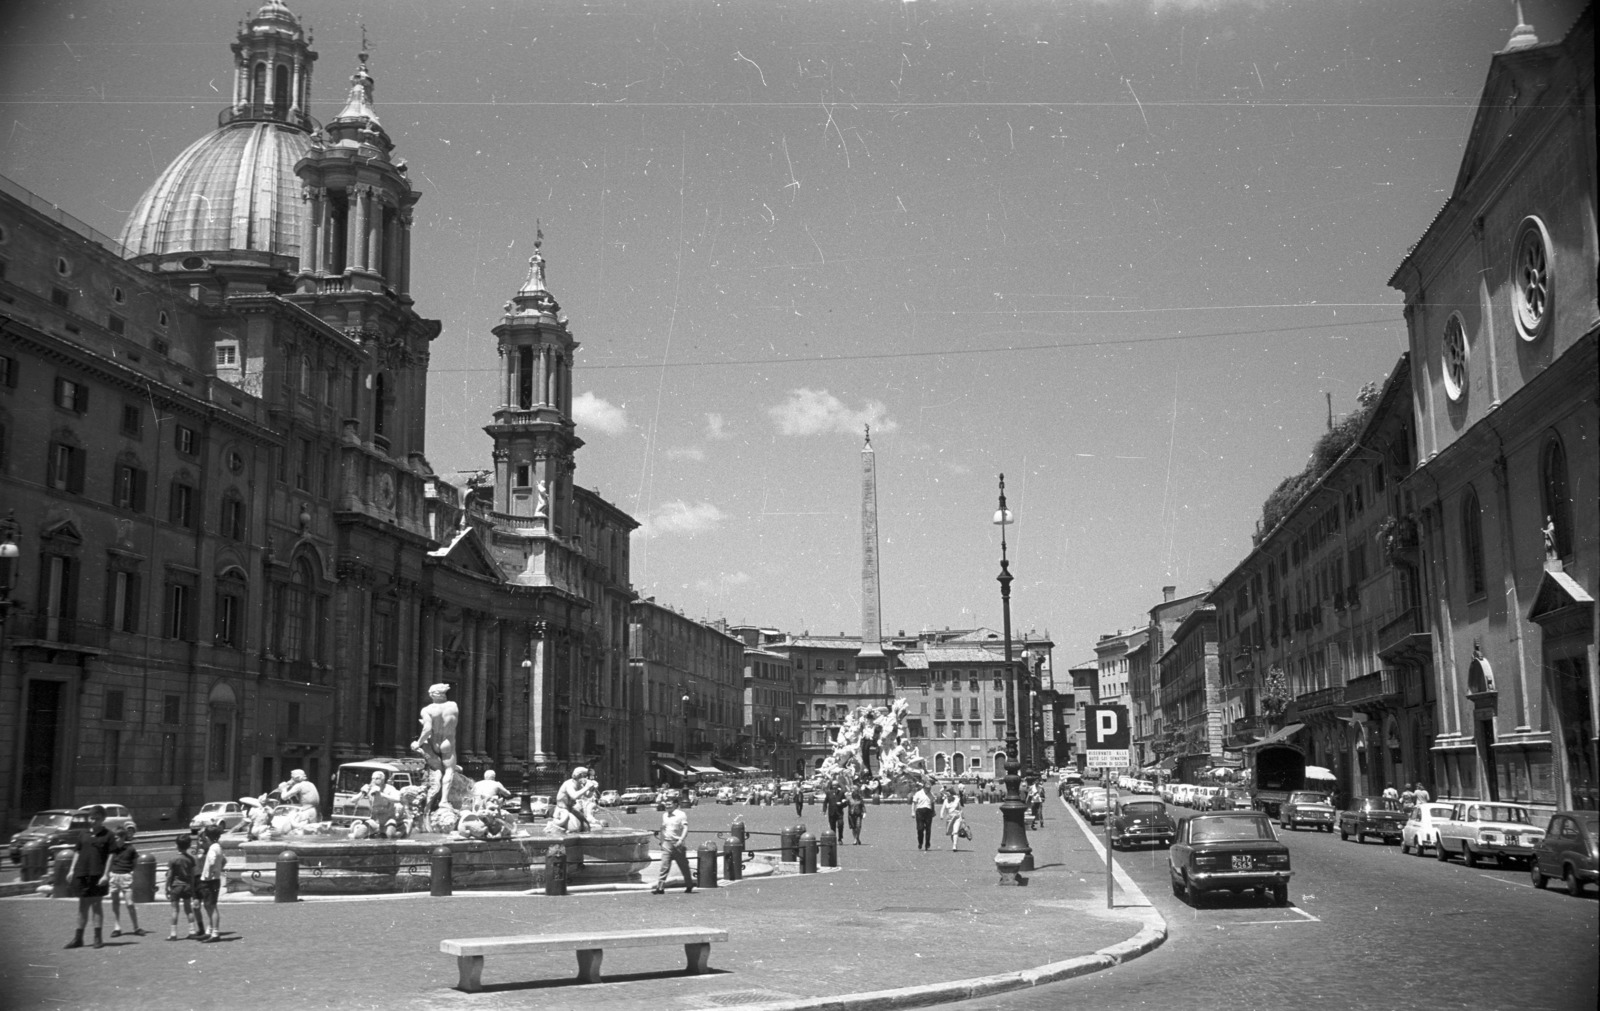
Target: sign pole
{"points": [[1108, 742], [1111, 805]]}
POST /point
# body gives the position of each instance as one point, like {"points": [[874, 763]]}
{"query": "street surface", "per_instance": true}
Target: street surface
{"points": [[1367, 927]]}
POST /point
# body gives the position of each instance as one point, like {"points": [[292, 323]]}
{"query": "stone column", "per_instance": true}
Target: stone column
{"points": [[402, 283], [352, 225], [311, 249]]}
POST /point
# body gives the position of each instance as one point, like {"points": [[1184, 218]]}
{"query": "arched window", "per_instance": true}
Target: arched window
{"points": [[1472, 544], [958, 763], [379, 403], [939, 762], [258, 92], [298, 613], [1555, 497], [280, 90]]}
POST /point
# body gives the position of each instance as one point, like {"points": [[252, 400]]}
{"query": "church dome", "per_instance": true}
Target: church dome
{"points": [[234, 188]]}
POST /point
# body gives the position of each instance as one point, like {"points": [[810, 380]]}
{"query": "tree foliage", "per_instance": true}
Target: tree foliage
{"points": [[1327, 450]]}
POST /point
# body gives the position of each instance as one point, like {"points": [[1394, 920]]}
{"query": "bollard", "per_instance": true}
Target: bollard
{"points": [[286, 878], [828, 849], [35, 860], [732, 859], [788, 845], [808, 853], [61, 886], [440, 871], [144, 878], [555, 870], [705, 865], [737, 831]]}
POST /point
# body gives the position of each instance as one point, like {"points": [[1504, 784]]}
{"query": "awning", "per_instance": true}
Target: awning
{"points": [[705, 770], [1276, 737], [736, 768], [1318, 772], [670, 765]]}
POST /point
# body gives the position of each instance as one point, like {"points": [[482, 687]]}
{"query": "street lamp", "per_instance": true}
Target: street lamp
{"points": [[777, 736], [1014, 853]]}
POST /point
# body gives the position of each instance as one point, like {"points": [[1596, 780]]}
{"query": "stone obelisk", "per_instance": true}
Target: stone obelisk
{"points": [[870, 660]]}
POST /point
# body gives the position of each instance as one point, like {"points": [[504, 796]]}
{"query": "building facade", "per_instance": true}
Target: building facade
{"points": [[1500, 296], [691, 677]]}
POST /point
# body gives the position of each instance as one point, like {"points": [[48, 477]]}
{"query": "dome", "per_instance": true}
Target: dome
{"points": [[234, 188]]}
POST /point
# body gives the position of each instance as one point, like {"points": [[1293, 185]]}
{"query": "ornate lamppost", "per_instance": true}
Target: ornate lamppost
{"points": [[1014, 853]]}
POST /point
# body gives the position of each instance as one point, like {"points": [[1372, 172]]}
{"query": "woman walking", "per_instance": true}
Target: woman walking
{"points": [[955, 824]]}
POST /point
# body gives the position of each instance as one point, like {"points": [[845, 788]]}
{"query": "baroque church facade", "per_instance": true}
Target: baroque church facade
{"points": [[232, 557]]}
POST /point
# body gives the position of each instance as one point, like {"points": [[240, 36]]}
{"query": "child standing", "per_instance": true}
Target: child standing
{"points": [[180, 888], [211, 884], [123, 862]]}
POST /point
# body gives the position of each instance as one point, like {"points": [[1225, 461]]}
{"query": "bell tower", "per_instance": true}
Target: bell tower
{"points": [[272, 61], [535, 439]]}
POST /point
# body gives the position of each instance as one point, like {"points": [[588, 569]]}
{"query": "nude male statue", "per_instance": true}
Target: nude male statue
{"points": [[437, 742]]}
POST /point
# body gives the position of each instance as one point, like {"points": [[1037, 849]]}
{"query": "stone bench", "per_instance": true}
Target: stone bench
{"points": [[469, 951]]}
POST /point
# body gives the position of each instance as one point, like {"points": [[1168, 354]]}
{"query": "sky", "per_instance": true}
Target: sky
{"points": [[1125, 252]]}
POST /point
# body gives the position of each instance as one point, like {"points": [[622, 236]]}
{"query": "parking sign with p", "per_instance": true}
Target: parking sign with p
{"points": [[1108, 736]]}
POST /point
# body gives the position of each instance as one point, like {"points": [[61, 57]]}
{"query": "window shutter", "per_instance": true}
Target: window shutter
{"points": [[75, 470], [139, 477], [83, 398], [69, 588]]}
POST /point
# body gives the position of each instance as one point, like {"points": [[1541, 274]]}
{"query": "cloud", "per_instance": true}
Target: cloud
{"points": [[679, 517], [717, 427], [815, 412], [694, 453], [722, 581], [597, 413]]}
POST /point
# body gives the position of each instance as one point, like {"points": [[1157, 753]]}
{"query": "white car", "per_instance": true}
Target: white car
{"points": [[609, 798], [1422, 827], [1478, 829], [227, 813]]}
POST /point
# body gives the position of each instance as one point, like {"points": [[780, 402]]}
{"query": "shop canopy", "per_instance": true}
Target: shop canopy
{"points": [[670, 765], [736, 768], [705, 770], [1276, 737], [1318, 772]]}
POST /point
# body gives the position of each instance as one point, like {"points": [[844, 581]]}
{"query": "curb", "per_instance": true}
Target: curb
{"points": [[1149, 937]]}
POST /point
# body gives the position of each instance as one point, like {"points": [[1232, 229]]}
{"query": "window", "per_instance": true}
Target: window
{"points": [[112, 745], [184, 440], [1453, 358], [217, 760], [132, 420], [232, 517], [938, 728], [65, 468], [227, 354], [8, 372], [71, 396], [113, 706], [302, 466], [1556, 499], [172, 709], [230, 615], [59, 297], [1532, 279], [180, 510], [1472, 544], [127, 487], [124, 616], [523, 474], [180, 611]]}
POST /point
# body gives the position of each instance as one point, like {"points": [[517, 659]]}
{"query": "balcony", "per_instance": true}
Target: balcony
{"points": [[1248, 725], [1405, 640], [385, 675], [1322, 698], [1373, 689], [64, 633]]}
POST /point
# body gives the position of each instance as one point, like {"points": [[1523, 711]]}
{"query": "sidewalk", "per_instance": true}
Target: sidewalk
{"points": [[892, 927]]}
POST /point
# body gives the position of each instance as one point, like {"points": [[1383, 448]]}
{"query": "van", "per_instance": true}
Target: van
{"points": [[352, 776]]}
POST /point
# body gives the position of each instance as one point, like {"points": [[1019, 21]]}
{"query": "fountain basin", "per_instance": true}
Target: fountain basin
{"points": [[330, 865]]}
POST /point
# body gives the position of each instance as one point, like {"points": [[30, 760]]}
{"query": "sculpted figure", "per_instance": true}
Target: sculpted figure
{"points": [[569, 815], [488, 792], [437, 742]]}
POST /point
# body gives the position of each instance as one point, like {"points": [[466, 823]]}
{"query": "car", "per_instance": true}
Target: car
{"points": [[1142, 821], [1097, 807], [1377, 816], [609, 798], [1232, 851], [1422, 827], [227, 813], [1478, 829], [40, 828], [1234, 798], [1183, 794], [1570, 850], [539, 805], [1202, 797], [1306, 808], [636, 795]]}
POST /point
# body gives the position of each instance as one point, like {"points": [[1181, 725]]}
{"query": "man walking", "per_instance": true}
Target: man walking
{"points": [[674, 834], [91, 874], [833, 807], [857, 809], [922, 808]]}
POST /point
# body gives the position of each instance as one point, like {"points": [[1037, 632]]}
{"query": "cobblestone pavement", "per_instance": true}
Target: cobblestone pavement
{"points": [[1368, 928], [889, 917]]}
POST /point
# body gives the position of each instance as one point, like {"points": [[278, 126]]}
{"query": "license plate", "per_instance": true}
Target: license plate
{"points": [[1243, 863]]}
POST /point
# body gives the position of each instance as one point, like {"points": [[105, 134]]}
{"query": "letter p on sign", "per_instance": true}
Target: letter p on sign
{"points": [[1106, 725]]}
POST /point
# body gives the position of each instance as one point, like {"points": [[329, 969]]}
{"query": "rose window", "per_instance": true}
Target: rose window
{"points": [[1532, 280], [1454, 356]]}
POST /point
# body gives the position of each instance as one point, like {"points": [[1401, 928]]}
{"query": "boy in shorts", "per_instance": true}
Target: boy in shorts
{"points": [[123, 862], [180, 887], [211, 884], [90, 873]]}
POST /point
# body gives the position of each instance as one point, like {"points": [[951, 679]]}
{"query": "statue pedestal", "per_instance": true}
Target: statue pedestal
{"points": [[1011, 866]]}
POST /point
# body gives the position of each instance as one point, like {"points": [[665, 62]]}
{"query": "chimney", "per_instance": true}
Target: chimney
{"points": [[1167, 593]]}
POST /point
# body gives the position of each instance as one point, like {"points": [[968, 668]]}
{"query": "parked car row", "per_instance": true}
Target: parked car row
{"points": [[59, 826]]}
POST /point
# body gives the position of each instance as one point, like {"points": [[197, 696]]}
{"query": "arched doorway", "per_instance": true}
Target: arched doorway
{"points": [[222, 717]]}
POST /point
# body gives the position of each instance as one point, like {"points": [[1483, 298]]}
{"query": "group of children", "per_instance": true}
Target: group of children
{"points": [[103, 864]]}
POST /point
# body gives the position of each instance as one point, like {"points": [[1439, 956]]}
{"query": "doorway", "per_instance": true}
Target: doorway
{"points": [[40, 745]]}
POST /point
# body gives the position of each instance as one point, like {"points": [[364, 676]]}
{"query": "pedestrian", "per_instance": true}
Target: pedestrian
{"points": [[674, 833], [1408, 797], [922, 810], [857, 810], [180, 887], [90, 874], [1421, 794], [1036, 804], [1390, 793], [210, 888], [833, 808], [123, 861], [799, 798], [955, 825]]}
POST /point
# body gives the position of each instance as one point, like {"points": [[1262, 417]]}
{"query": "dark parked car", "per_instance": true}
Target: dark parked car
{"points": [[1142, 821], [1570, 850], [1306, 808], [1377, 816], [1232, 851], [40, 828]]}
